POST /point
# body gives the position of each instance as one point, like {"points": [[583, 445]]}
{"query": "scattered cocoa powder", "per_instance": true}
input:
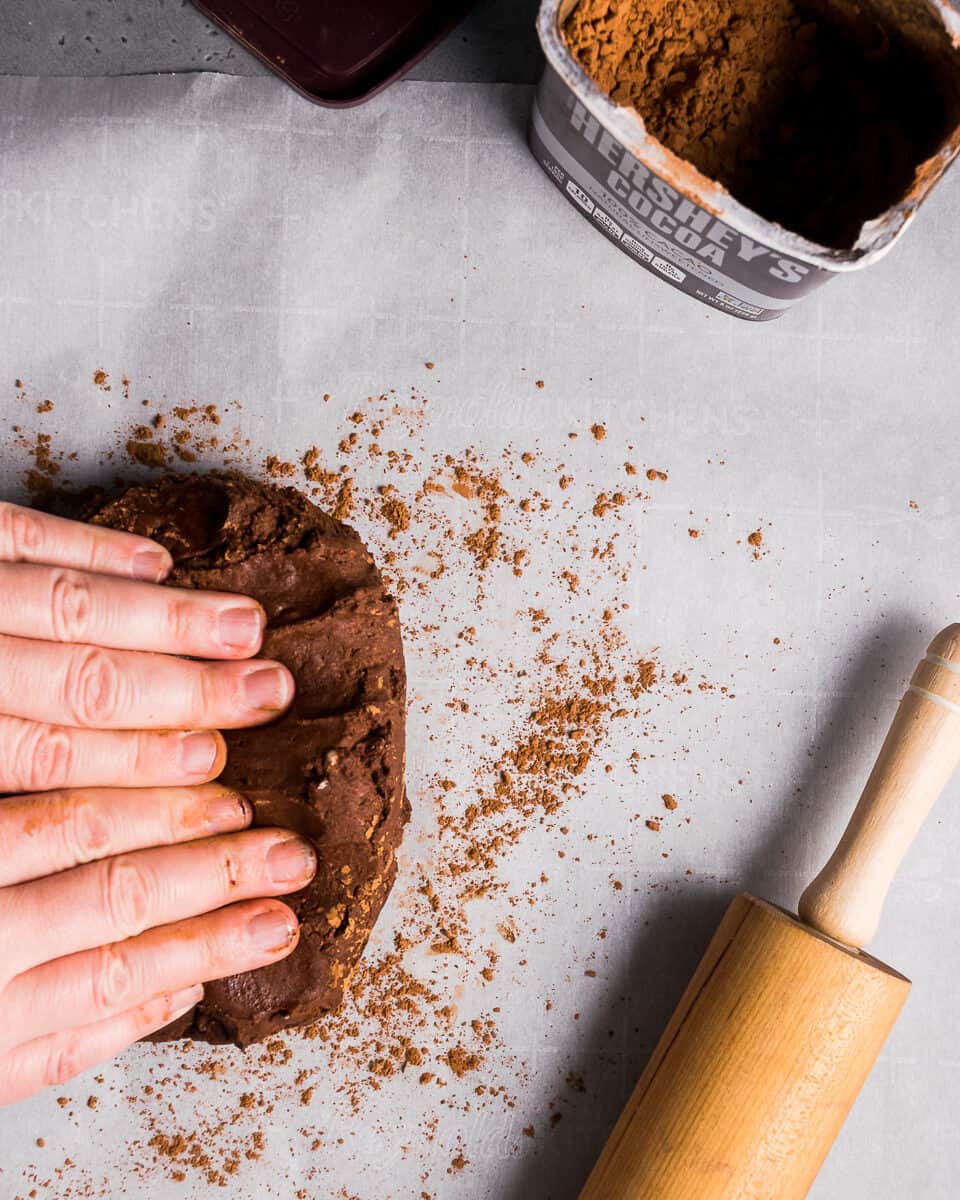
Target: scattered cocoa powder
{"points": [[604, 503], [755, 542], [460, 1061], [395, 512], [647, 674], [276, 468], [43, 457], [148, 454], [342, 507], [401, 1009]]}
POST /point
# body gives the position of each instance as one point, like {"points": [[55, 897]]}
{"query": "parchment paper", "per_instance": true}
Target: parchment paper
{"points": [[216, 240]]}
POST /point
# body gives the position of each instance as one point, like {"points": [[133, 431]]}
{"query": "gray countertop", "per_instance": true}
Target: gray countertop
{"points": [[496, 43], [214, 240], [435, 237]]}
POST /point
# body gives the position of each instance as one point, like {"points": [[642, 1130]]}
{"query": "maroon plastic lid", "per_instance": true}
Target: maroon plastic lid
{"points": [[337, 52]]}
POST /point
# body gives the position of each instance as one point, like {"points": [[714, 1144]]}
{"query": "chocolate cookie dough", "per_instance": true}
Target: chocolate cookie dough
{"points": [[330, 768]]}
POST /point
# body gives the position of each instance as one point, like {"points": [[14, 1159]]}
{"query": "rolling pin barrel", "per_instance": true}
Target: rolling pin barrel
{"points": [[756, 1071], [781, 1024]]}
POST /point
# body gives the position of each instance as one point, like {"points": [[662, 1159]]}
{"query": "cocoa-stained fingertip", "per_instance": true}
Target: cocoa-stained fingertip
{"points": [[151, 564], [273, 931], [228, 812]]}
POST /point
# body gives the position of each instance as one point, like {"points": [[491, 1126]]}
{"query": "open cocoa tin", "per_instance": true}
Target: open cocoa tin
{"points": [[679, 224], [337, 52]]}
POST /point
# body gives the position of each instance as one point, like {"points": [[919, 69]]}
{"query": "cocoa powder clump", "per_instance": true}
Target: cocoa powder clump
{"points": [[148, 454]]}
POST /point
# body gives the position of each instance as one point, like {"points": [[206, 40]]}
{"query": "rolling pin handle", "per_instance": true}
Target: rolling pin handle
{"points": [[917, 758]]}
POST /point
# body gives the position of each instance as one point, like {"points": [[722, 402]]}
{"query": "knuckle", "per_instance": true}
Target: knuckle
{"points": [[127, 896], [86, 831], [93, 688], [21, 532], [149, 754], [41, 757], [209, 698], [114, 981], [70, 605], [180, 621]]}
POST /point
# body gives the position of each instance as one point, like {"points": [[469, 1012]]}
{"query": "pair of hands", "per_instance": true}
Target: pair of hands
{"points": [[127, 878]]}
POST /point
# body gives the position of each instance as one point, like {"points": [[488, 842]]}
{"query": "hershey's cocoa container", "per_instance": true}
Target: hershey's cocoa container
{"points": [[667, 216]]}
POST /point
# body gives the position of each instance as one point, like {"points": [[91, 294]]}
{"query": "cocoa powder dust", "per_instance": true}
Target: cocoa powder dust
{"points": [[543, 544]]}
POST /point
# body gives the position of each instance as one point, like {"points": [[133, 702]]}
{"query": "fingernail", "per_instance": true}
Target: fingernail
{"points": [[228, 812], [150, 564], [292, 861], [198, 752], [266, 687], [240, 627], [270, 932]]}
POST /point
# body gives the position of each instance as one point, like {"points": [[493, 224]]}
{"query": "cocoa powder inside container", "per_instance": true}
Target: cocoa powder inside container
{"points": [[814, 113]]}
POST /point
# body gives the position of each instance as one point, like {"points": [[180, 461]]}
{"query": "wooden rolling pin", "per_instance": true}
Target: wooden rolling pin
{"points": [[779, 1027]]}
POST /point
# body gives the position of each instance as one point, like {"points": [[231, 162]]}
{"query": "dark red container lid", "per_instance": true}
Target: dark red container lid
{"points": [[337, 52]]}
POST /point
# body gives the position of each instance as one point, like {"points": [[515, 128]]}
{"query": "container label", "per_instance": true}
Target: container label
{"points": [[655, 223]]}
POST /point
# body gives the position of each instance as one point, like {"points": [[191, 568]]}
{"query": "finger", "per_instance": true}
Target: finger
{"points": [[117, 898], [54, 831], [122, 689], [52, 1061], [101, 983], [62, 605], [35, 537], [36, 757]]}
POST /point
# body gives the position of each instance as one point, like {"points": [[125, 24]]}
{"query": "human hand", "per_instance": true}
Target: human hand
{"points": [[125, 879]]}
